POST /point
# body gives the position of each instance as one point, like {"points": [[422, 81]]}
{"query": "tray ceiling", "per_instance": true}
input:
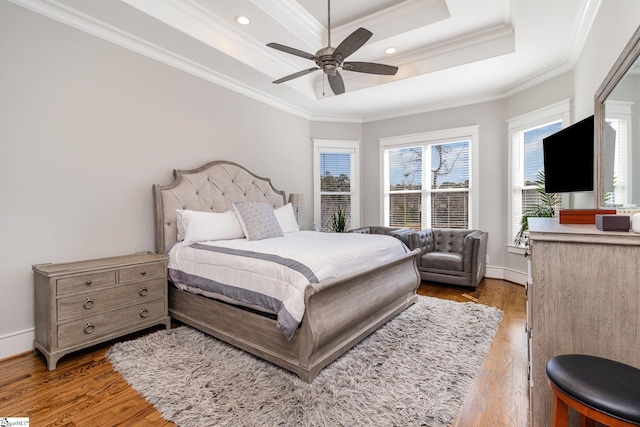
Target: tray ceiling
{"points": [[449, 52]]}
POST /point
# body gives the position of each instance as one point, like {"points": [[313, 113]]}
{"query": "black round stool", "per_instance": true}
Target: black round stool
{"points": [[598, 389]]}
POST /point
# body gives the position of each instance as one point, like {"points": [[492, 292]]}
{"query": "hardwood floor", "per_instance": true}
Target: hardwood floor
{"points": [[85, 391], [500, 393]]}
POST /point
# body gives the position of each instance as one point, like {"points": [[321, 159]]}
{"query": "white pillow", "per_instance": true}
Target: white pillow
{"points": [[287, 218], [202, 226], [257, 220]]}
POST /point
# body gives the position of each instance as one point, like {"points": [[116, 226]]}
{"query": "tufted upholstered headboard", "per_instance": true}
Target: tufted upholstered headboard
{"points": [[213, 187]]}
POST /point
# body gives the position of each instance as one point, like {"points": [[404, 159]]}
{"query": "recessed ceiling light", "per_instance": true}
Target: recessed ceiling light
{"points": [[390, 50], [242, 20]]}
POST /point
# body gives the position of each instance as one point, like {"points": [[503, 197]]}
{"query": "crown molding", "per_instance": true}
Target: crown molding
{"points": [[68, 16], [486, 43], [62, 13], [475, 40], [537, 79], [581, 27], [479, 99], [199, 23], [336, 118], [412, 14], [438, 106], [297, 18]]}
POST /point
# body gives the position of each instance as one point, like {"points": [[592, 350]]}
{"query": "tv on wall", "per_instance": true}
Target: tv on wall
{"points": [[568, 158]]}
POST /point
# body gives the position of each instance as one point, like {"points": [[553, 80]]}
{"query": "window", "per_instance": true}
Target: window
{"points": [[336, 186], [428, 179], [526, 158], [617, 152]]}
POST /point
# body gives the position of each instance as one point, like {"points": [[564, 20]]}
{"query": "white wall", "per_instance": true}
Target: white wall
{"points": [[331, 130], [615, 23], [87, 128], [491, 183], [338, 131], [493, 180], [540, 96], [554, 90], [613, 27]]}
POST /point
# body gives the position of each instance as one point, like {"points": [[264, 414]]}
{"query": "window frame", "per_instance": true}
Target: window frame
{"points": [[623, 110], [426, 139], [338, 146], [560, 111]]}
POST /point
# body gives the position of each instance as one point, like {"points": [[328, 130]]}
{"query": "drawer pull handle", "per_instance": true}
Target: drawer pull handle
{"points": [[143, 292], [143, 272], [89, 328], [88, 282], [88, 304], [144, 312]]}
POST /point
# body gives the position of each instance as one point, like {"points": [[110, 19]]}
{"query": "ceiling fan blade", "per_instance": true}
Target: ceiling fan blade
{"points": [[336, 83], [352, 43], [292, 51], [370, 68], [298, 74]]}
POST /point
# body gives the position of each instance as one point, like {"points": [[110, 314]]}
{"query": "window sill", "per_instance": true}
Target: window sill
{"points": [[515, 250]]}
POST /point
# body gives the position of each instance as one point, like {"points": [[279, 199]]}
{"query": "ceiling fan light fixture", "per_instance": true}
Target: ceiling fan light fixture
{"points": [[330, 59], [390, 50], [242, 20], [330, 69]]}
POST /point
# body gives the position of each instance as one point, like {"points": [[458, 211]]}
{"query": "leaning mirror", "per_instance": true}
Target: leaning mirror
{"points": [[617, 131]]}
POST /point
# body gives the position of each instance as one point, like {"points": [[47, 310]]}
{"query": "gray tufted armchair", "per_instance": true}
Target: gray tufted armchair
{"points": [[452, 256]]}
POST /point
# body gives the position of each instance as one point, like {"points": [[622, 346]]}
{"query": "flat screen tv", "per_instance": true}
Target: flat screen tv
{"points": [[568, 158]]}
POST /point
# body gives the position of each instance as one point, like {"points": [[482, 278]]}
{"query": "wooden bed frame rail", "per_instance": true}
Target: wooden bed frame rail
{"points": [[339, 314]]}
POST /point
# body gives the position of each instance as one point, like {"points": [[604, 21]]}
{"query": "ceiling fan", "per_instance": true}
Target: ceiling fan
{"points": [[329, 59]]}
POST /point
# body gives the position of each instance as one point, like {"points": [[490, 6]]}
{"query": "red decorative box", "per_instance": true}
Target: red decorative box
{"points": [[583, 216]]}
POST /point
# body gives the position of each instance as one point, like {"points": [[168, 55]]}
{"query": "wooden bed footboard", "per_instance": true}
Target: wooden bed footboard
{"points": [[339, 314]]}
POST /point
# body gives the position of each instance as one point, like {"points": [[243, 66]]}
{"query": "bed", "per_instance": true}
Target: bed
{"points": [[338, 312]]}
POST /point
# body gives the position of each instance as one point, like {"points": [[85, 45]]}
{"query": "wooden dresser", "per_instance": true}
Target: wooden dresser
{"points": [[79, 304], [583, 297]]}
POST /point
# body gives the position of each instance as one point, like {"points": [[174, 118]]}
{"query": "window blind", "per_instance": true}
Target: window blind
{"points": [[618, 194], [335, 187], [527, 162], [428, 185], [335, 172]]}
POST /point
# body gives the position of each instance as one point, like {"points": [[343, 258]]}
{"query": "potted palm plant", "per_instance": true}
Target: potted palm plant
{"points": [[544, 209]]}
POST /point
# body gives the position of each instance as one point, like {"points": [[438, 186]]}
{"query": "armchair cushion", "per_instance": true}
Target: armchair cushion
{"points": [[442, 261]]}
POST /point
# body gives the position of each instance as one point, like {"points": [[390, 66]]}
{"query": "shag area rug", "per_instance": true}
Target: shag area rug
{"points": [[416, 370]]}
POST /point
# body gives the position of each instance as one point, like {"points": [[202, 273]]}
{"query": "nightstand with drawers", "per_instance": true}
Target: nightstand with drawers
{"points": [[79, 304]]}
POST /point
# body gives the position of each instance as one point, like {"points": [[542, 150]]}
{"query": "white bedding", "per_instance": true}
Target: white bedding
{"points": [[273, 273]]}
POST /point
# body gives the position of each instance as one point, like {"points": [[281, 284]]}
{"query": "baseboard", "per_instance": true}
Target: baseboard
{"points": [[503, 273], [22, 341], [16, 343], [514, 276]]}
